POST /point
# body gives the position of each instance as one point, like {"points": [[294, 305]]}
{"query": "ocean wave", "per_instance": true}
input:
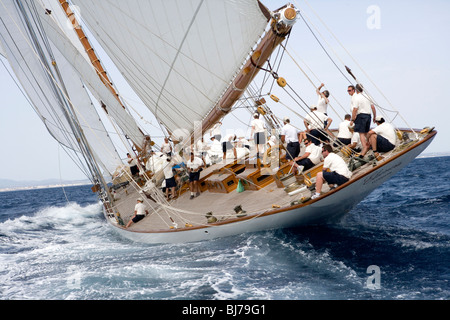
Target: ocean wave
{"points": [[71, 214]]}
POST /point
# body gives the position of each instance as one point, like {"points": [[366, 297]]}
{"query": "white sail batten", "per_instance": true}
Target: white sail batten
{"points": [[179, 56], [47, 93]]}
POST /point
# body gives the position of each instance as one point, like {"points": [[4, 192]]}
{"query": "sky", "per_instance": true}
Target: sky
{"points": [[401, 45]]}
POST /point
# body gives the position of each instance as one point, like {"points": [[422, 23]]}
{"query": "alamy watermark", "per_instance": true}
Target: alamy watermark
{"points": [[74, 278], [374, 280], [374, 19]]}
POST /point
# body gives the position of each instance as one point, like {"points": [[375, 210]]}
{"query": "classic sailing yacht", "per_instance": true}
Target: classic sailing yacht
{"points": [[192, 63]]}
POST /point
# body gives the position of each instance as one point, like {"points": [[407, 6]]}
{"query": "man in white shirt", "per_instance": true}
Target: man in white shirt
{"points": [[228, 144], [344, 133], [132, 162], [216, 131], [382, 138], [166, 148], [169, 178], [258, 133], [355, 144], [140, 211], [311, 157], [322, 103], [339, 172], [290, 136], [317, 124], [201, 149], [361, 115], [194, 166], [352, 93], [146, 146]]}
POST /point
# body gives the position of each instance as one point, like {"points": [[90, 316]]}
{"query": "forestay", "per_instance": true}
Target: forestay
{"points": [[178, 55]]}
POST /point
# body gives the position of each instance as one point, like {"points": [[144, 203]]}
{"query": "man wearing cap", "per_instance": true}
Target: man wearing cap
{"points": [[140, 211], [290, 136], [382, 138]]}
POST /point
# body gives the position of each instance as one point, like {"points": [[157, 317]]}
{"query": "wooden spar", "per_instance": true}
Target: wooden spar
{"points": [[101, 72], [261, 54], [89, 49]]}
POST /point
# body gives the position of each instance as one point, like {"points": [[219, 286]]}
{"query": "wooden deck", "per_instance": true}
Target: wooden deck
{"points": [[187, 213], [192, 212]]}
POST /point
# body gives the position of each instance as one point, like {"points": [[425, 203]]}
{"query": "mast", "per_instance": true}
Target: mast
{"points": [[89, 49], [280, 26], [95, 61]]}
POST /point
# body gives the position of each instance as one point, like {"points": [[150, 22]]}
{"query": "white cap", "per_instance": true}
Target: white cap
{"points": [[378, 119], [286, 119], [140, 199]]}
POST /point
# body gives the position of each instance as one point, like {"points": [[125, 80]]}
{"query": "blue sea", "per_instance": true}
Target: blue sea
{"points": [[395, 245]]}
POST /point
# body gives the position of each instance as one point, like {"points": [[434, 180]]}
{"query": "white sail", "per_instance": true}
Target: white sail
{"points": [[31, 73], [52, 87], [179, 56], [65, 39]]}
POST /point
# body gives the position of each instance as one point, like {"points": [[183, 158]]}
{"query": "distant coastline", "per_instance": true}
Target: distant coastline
{"points": [[434, 155], [40, 185]]}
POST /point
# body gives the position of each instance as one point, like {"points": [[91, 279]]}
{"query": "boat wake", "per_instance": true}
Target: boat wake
{"points": [[48, 225]]}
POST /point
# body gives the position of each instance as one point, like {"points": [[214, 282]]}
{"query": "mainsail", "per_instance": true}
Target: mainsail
{"points": [[178, 56]]}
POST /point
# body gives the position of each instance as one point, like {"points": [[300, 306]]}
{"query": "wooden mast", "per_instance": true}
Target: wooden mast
{"points": [[89, 49], [275, 36], [95, 61]]}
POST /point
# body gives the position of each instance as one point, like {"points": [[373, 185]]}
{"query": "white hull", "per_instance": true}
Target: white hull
{"points": [[326, 209]]}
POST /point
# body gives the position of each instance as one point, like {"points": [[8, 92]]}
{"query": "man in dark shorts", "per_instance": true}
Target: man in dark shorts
{"points": [[194, 166], [291, 136], [361, 116], [140, 211], [228, 144], [382, 138], [310, 158], [338, 174]]}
